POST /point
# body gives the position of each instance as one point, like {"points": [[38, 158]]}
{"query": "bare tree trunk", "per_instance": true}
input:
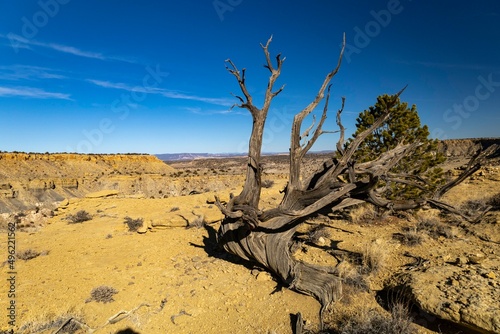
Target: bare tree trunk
{"points": [[265, 237]]}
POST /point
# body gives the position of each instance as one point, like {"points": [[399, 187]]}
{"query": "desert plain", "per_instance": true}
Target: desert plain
{"points": [[146, 260]]}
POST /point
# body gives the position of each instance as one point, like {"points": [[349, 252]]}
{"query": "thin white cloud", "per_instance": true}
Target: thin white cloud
{"points": [[72, 50], [122, 86], [27, 43], [19, 42], [163, 92], [211, 100], [27, 72], [32, 93], [200, 111]]}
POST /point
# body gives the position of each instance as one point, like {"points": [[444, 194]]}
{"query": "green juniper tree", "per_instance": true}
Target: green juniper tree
{"points": [[403, 125]]}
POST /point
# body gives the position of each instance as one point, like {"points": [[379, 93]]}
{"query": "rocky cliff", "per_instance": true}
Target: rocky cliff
{"points": [[466, 148], [29, 180]]}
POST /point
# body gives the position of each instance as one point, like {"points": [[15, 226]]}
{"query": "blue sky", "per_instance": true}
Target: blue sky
{"points": [[116, 76]]}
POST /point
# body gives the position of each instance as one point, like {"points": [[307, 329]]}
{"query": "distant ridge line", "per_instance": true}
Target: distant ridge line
{"points": [[193, 156]]}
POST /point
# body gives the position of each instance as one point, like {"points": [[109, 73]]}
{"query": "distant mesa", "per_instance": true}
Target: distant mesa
{"points": [[28, 180], [451, 147], [192, 156]]}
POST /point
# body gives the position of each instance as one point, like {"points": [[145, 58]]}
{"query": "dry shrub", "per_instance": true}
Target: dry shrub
{"points": [[410, 236], [79, 217], [267, 183], [371, 321], [351, 276], [473, 207], [374, 256], [197, 222], [494, 201], [175, 208], [29, 254], [133, 224], [366, 213], [433, 226], [102, 294]]}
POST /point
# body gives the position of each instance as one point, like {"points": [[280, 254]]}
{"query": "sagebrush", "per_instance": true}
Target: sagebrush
{"points": [[133, 224], [79, 217], [102, 294]]}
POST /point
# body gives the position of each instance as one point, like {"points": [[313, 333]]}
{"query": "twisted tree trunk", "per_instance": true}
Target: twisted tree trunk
{"points": [[265, 237]]}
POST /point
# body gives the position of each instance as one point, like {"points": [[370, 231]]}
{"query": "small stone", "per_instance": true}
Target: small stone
{"points": [[264, 276], [143, 229], [491, 275], [447, 258], [476, 258], [321, 241], [461, 260]]}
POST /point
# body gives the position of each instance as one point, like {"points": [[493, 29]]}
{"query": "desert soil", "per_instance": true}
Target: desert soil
{"points": [[173, 279]]}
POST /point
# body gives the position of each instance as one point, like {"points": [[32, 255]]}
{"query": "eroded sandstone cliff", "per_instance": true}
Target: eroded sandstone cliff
{"points": [[29, 180], [466, 147]]}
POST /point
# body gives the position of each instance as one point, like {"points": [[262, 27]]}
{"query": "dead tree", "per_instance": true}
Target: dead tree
{"points": [[265, 236]]}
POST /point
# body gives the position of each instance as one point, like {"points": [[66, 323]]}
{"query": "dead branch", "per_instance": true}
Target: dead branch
{"points": [[339, 182], [474, 164]]}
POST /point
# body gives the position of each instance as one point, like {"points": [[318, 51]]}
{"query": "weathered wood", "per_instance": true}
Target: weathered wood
{"points": [[266, 236]]}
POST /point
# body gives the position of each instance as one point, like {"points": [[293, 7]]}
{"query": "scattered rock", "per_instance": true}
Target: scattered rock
{"points": [[461, 261], [264, 276], [145, 227], [461, 295], [136, 196], [102, 194], [491, 275], [476, 258], [321, 241]]}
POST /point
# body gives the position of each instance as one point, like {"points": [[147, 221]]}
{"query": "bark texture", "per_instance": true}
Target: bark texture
{"points": [[265, 237]]}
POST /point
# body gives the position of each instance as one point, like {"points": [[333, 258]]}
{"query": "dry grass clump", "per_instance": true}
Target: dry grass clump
{"points": [[494, 201], [267, 183], [197, 222], [410, 236], [372, 321], [474, 207], [133, 224], [434, 227], [79, 217], [102, 294], [351, 276], [374, 257], [366, 213], [29, 254]]}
